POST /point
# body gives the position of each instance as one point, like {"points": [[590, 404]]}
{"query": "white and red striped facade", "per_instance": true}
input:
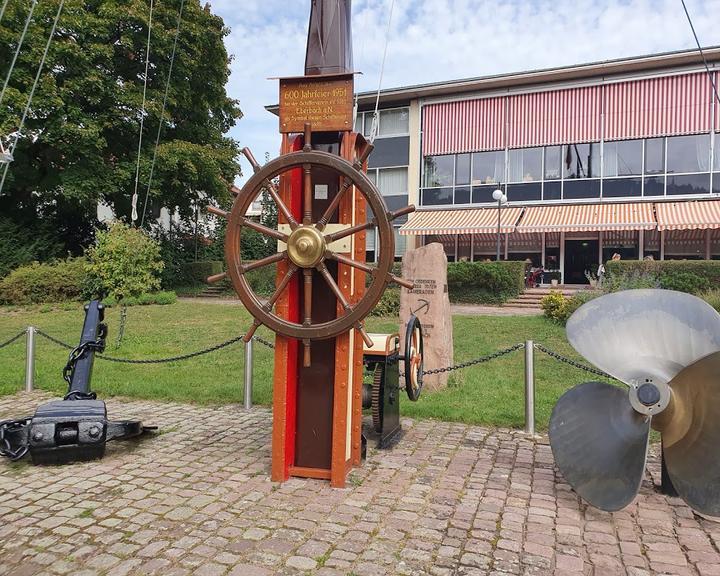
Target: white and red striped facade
{"points": [[660, 98], [620, 110]]}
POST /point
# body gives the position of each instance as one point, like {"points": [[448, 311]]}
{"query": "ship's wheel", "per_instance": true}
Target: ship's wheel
{"points": [[305, 246]]}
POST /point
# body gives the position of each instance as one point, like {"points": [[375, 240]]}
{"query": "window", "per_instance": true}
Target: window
{"points": [[621, 187], [552, 162], [524, 192], [525, 165], [688, 184], [655, 186], [462, 169], [581, 161], [623, 158], [576, 189], [439, 171], [688, 153], [655, 156], [552, 190], [393, 181], [394, 122], [437, 196], [483, 194], [716, 153], [488, 167], [400, 242], [462, 195]]}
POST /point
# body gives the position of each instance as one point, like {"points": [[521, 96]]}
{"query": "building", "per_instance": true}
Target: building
{"points": [[619, 157]]}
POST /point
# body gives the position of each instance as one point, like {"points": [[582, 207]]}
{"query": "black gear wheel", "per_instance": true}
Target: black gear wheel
{"points": [[377, 400]]}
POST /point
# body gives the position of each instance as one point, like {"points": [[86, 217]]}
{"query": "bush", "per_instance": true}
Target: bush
{"points": [[22, 245], [555, 306], [389, 304], [190, 273], [159, 298], [578, 299], [712, 297], [558, 307], [262, 280], [39, 283], [485, 282], [692, 276], [124, 262]]}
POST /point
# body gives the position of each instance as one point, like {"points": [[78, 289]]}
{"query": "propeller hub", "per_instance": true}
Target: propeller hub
{"points": [[648, 394]]}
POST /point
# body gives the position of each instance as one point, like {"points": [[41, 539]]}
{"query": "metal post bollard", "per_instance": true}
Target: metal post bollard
{"points": [[248, 374], [29, 358], [529, 387]]}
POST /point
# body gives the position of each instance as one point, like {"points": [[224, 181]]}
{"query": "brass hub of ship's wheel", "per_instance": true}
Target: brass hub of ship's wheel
{"points": [[306, 247]]}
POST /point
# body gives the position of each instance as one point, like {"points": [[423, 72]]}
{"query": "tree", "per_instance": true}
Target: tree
{"points": [[79, 143]]}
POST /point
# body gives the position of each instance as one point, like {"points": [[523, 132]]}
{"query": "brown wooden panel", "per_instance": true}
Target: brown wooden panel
{"points": [[315, 394]]}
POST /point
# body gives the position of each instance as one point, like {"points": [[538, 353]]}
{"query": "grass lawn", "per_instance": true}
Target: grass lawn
{"points": [[489, 394]]}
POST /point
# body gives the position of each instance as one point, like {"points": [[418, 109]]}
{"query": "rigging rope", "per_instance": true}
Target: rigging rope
{"points": [[17, 50], [162, 112], [2, 10], [133, 216], [32, 91], [375, 120], [702, 53]]}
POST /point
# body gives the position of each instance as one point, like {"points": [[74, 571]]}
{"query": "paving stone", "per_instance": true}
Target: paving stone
{"points": [[449, 499]]}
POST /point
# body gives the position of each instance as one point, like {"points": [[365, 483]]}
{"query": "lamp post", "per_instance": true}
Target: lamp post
{"points": [[501, 199]]}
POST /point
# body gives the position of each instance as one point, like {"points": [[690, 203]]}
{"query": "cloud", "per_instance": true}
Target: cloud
{"points": [[436, 40]]}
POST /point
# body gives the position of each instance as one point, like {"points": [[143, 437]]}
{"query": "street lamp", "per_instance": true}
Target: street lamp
{"points": [[501, 199]]}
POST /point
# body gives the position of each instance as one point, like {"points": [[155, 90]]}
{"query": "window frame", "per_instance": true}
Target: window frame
{"points": [[367, 116]]}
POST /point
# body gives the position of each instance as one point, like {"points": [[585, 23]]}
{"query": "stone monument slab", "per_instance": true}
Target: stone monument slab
{"points": [[430, 302]]}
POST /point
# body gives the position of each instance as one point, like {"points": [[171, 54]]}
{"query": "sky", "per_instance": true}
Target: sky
{"points": [[436, 40]]}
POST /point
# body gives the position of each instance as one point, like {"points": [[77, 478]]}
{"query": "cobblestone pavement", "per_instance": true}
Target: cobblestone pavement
{"points": [[449, 499]]}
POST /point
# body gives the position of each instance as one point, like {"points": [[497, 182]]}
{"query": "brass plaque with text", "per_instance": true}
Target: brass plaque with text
{"points": [[326, 103]]}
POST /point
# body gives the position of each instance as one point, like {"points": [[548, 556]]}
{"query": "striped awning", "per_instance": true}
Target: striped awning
{"points": [[697, 215], [471, 221], [554, 117], [657, 107], [588, 218], [464, 126]]}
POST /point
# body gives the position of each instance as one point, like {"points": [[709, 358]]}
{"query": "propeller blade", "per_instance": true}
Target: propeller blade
{"points": [[600, 444], [639, 334], [692, 435]]}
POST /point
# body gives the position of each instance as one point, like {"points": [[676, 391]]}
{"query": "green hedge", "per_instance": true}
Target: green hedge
{"points": [[49, 282], [190, 273], [485, 282], [161, 298], [692, 276]]}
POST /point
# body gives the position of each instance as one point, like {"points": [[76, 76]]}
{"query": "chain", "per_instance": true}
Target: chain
{"points": [[54, 340], [573, 363], [6, 448], [13, 339], [160, 360], [264, 342], [480, 360]]}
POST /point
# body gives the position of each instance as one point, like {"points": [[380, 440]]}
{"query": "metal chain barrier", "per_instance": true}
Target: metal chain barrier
{"points": [[13, 339], [480, 360], [148, 361], [264, 342], [573, 363]]}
